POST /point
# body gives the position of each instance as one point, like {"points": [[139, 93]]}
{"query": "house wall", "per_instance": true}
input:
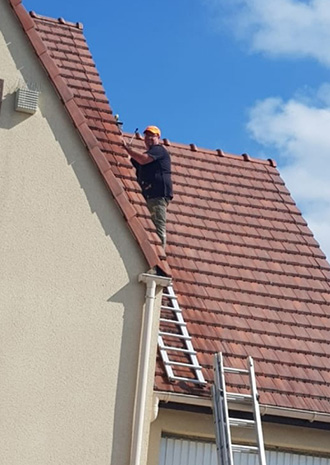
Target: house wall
{"points": [[70, 301], [196, 425]]}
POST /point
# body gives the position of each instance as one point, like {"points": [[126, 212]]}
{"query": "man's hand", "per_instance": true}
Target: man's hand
{"points": [[127, 146], [141, 157]]}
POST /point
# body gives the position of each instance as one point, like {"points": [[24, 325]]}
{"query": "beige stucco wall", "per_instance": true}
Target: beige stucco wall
{"points": [[196, 425], [70, 301]]}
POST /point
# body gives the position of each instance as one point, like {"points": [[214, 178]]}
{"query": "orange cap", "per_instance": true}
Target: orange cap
{"points": [[153, 130]]}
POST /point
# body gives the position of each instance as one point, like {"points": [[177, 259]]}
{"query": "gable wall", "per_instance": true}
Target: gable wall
{"points": [[71, 304]]}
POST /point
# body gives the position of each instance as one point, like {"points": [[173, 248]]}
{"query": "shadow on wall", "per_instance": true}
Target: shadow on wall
{"points": [[15, 117], [113, 224]]}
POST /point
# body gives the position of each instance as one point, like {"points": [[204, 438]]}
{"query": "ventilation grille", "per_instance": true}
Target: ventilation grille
{"points": [[26, 100]]}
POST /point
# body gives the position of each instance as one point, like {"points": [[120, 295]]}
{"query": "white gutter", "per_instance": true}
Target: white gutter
{"points": [[297, 414], [142, 383]]}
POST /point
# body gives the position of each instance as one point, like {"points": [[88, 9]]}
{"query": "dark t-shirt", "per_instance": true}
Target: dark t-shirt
{"points": [[155, 177]]}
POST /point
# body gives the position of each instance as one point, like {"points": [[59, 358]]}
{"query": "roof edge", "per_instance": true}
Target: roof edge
{"points": [[297, 414], [88, 137], [76, 25], [220, 153]]}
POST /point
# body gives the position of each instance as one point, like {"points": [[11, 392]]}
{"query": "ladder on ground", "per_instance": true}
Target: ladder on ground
{"points": [[175, 344], [224, 423]]}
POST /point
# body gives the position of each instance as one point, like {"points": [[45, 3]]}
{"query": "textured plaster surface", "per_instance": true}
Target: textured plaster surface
{"points": [[71, 305]]}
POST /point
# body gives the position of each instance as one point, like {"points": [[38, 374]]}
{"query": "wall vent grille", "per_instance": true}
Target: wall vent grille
{"points": [[26, 100]]}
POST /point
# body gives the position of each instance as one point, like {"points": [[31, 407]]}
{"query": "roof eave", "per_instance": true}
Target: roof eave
{"points": [[196, 401]]}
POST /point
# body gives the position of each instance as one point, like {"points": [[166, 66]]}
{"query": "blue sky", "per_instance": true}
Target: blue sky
{"points": [[246, 76]]}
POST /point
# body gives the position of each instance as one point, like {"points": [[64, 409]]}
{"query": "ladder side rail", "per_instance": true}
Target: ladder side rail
{"points": [[226, 410], [166, 360], [223, 410], [256, 411], [196, 364], [220, 430], [221, 454]]}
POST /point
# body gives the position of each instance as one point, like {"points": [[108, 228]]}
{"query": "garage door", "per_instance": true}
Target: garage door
{"points": [[177, 451]]}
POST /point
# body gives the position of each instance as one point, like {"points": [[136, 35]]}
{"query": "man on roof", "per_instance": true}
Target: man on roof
{"points": [[153, 170]]}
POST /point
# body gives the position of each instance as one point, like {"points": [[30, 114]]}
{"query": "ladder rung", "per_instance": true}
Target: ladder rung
{"points": [[182, 364], [239, 448], [166, 307], [237, 397], [170, 296], [236, 370], [191, 380], [174, 322], [185, 351], [241, 422], [179, 336]]}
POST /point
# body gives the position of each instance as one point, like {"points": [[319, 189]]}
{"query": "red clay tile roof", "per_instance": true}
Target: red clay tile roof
{"points": [[250, 277]]}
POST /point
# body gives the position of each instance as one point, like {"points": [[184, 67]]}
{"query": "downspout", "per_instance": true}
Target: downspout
{"points": [[151, 281], [155, 409]]}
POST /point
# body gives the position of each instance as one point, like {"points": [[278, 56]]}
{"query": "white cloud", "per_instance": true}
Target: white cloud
{"points": [[296, 132], [300, 133], [280, 27]]}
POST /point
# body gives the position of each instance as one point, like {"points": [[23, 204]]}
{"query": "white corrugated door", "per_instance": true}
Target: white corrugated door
{"points": [[178, 451], [185, 452]]}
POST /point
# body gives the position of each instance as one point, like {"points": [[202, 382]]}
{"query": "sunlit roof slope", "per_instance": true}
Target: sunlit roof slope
{"points": [[249, 275]]}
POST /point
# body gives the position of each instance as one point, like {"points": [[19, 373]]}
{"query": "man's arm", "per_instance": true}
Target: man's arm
{"points": [[141, 157]]}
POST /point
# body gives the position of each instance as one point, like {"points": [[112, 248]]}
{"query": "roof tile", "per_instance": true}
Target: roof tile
{"points": [[248, 273]]}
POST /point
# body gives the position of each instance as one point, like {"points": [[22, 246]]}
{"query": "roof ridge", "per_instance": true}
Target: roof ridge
{"points": [[77, 25], [219, 152]]}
